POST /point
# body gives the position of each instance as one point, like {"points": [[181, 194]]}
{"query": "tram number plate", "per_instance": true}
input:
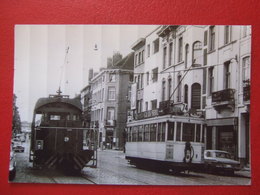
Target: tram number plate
{"points": [[169, 151]]}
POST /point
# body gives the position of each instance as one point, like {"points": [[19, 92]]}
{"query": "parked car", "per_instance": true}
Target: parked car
{"points": [[18, 148], [220, 161], [12, 165]]}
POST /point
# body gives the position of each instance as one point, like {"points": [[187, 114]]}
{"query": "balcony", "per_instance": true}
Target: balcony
{"points": [[169, 107], [110, 123], [147, 114], [223, 99], [246, 93]]}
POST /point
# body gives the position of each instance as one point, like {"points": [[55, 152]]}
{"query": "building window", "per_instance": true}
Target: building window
{"points": [[205, 56], [112, 77], [163, 90], [136, 59], [195, 96], [147, 78], [205, 38], [110, 113], [139, 57], [227, 75], [246, 69], [142, 59], [179, 88], [211, 80], [186, 55], [155, 74], [170, 54], [111, 93], [154, 104], [148, 50], [169, 88], [164, 57], [227, 34], [212, 38], [197, 53], [156, 46], [180, 47], [146, 106], [139, 106], [140, 81], [186, 88]]}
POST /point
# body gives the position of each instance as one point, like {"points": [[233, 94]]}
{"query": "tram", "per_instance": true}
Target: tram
{"points": [[57, 135], [168, 142]]}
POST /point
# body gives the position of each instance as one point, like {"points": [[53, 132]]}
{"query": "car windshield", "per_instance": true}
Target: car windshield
{"points": [[223, 155]]}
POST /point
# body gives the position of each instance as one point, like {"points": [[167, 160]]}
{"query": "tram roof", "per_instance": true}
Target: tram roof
{"points": [[44, 101]]}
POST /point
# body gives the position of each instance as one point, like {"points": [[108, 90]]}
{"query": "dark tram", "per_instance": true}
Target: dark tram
{"points": [[58, 139]]}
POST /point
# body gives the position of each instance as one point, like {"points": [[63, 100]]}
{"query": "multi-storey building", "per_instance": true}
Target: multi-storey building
{"points": [[198, 76], [86, 102], [228, 53], [109, 102]]}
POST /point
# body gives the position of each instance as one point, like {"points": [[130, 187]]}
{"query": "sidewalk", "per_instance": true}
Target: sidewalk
{"points": [[245, 172]]}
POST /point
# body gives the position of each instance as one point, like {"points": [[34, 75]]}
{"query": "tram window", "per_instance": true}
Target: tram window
{"points": [[188, 132], [159, 132], [130, 134], [54, 117], [170, 131], [75, 117], [178, 132], [146, 133], [134, 134], [163, 131], [140, 133], [203, 133], [153, 132], [198, 132]]}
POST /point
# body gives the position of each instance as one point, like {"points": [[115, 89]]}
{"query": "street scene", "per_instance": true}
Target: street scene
{"points": [[113, 168], [132, 105]]}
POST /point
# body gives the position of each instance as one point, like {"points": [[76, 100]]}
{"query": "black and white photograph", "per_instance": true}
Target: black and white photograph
{"points": [[131, 105]]}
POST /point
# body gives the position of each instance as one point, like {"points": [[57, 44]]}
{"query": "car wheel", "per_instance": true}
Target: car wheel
{"points": [[12, 175]]}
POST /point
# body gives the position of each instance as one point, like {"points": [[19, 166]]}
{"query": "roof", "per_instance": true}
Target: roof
{"points": [[127, 63], [44, 101], [139, 43]]}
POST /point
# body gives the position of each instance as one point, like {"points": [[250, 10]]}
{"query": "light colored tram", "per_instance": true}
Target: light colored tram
{"points": [[166, 142]]}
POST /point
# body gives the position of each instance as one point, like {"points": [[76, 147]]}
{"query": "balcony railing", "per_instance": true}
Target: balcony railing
{"points": [[147, 114], [169, 107], [223, 95], [246, 92], [223, 99]]}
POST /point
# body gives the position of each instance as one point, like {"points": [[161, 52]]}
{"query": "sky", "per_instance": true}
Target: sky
{"points": [[42, 62]]}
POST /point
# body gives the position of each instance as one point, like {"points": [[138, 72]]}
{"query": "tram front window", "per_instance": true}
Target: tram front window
{"points": [[188, 132], [170, 131], [54, 117]]}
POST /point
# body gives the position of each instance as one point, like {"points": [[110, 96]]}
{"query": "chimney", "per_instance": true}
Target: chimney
{"points": [[90, 74]]}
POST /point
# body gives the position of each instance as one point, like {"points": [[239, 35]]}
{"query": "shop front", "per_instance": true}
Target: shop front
{"points": [[222, 135]]}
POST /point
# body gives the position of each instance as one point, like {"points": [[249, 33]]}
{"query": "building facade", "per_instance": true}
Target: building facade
{"points": [[109, 102], [200, 74]]}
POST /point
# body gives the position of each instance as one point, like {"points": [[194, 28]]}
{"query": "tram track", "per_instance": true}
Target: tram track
{"points": [[86, 178]]}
